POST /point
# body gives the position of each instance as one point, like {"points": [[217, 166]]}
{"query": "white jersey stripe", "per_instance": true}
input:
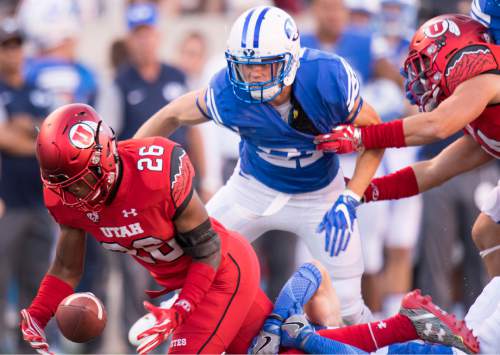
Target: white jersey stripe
{"points": [[353, 85], [209, 101], [477, 14], [214, 107]]}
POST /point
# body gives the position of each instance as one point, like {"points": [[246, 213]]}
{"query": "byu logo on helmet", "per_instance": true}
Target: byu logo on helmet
{"points": [[248, 52], [81, 135]]}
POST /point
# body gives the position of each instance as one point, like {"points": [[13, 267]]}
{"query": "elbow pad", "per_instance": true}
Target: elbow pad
{"points": [[200, 242]]}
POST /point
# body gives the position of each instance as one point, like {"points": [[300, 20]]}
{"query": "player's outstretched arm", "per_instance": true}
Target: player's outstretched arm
{"points": [[60, 281], [338, 223], [466, 103], [198, 239], [189, 109], [461, 156]]}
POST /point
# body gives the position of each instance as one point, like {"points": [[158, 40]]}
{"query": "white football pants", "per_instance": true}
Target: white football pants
{"points": [[484, 318], [251, 208]]}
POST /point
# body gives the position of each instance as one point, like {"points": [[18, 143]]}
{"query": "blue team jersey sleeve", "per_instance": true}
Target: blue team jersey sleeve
{"points": [[488, 13], [341, 90]]}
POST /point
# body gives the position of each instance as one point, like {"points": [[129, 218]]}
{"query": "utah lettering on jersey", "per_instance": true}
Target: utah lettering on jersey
{"points": [[122, 231]]}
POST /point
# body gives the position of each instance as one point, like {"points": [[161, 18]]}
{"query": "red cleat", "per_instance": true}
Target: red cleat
{"points": [[435, 325]]}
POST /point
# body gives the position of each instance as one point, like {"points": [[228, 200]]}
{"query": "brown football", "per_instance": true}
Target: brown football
{"points": [[81, 317]]}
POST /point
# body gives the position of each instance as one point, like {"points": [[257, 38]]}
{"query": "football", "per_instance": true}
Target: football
{"points": [[81, 317]]}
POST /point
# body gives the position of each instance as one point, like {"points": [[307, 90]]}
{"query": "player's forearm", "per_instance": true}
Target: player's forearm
{"points": [[203, 245], [68, 263], [185, 110], [366, 166], [198, 281], [51, 292], [425, 128], [419, 129]]}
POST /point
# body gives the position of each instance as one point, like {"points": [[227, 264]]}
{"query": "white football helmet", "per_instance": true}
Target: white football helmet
{"points": [[262, 53]]}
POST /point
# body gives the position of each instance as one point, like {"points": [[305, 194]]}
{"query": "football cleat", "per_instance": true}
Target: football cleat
{"points": [[435, 325]]}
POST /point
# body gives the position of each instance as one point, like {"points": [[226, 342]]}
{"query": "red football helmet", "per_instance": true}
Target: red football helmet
{"points": [[430, 49], [74, 158]]}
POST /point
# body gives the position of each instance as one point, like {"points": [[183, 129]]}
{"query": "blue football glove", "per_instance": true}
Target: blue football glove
{"points": [[408, 93], [338, 223], [269, 338]]}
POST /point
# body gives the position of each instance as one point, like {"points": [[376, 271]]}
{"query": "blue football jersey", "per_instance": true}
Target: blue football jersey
{"points": [[271, 150], [488, 13]]}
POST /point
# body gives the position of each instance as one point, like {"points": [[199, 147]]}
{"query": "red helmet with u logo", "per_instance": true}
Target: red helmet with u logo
{"points": [[431, 48], [76, 148]]}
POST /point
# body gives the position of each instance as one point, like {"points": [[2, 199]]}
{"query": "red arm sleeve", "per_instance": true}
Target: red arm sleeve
{"points": [[385, 135], [51, 292], [400, 184], [198, 281]]}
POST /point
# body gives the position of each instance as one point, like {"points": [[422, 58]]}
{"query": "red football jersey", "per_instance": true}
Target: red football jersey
{"points": [[156, 183], [465, 64], [486, 130]]}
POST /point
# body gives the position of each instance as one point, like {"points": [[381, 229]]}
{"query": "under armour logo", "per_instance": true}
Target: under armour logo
{"points": [[382, 325], [132, 212], [93, 216], [249, 52], [428, 329]]}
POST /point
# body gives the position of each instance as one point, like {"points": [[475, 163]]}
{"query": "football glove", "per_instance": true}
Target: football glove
{"points": [[342, 139], [338, 223], [166, 321], [269, 338], [33, 333]]}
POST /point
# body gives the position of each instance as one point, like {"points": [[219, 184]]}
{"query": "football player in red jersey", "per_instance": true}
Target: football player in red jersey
{"points": [[136, 197], [452, 72]]}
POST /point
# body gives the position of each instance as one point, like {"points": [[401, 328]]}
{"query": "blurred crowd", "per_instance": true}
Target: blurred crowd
{"points": [[129, 58]]}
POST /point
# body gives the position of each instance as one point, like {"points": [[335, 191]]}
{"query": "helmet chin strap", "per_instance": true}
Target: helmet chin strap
{"points": [[267, 93]]}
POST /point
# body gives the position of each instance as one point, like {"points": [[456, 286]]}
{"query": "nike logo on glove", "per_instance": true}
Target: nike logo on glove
{"points": [[299, 326], [267, 341]]}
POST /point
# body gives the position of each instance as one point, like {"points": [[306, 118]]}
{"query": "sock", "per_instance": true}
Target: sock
{"points": [[412, 347], [317, 344], [371, 336], [298, 289]]}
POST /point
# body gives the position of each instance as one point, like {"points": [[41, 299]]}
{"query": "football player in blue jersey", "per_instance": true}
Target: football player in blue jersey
{"points": [[277, 96], [488, 13]]}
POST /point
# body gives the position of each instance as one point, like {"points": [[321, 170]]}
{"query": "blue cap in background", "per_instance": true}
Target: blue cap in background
{"points": [[141, 15]]}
